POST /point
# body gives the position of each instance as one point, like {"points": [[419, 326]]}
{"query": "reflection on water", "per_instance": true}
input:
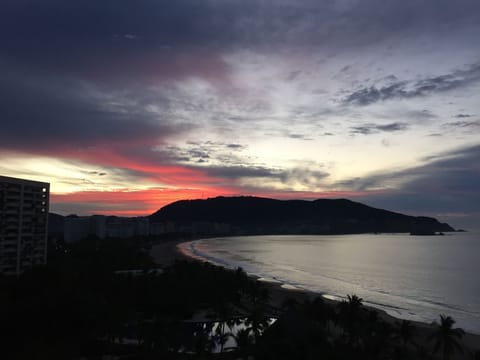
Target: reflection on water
{"points": [[414, 277]]}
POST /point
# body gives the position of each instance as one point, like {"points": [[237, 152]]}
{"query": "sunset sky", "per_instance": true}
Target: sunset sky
{"points": [[127, 105]]}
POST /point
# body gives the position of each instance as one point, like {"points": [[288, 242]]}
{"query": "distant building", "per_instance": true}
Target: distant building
{"points": [[23, 224], [80, 227], [76, 228], [156, 229]]}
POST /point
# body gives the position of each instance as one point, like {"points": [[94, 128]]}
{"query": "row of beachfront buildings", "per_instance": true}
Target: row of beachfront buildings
{"points": [[24, 225], [77, 228]]}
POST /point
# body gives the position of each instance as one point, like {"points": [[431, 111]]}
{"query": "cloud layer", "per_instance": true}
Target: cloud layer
{"points": [[406, 90], [125, 106]]}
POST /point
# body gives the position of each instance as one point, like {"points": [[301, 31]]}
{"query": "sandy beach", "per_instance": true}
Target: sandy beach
{"points": [[167, 253]]}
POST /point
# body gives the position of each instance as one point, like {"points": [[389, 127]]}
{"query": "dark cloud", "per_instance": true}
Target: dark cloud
{"points": [[74, 35], [293, 75], [303, 176], [420, 115], [368, 129], [472, 125], [448, 183], [238, 172], [299, 136], [191, 153], [198, 154], [42, 113], [371, 94], [235, 146], [113, 41], [93, 172], [462, 116], [392, 127], [411, 89], [157, 155]]}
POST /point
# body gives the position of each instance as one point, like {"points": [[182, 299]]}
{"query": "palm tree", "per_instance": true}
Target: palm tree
{"points": [[289, 303], [203, 343], [319, 311], [257, 322], [354, 302], [349, 315], [222, 314], [257, 293], [405, 331], [222, 336], [244, 341], [447, 338]]}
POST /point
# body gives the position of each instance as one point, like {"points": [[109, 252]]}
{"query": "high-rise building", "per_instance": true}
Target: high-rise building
{"points": [[23, 224]]}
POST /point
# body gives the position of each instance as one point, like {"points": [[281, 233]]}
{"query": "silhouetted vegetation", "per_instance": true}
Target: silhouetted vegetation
{"points": [[260, 216], [447, 339], [77, 306]]}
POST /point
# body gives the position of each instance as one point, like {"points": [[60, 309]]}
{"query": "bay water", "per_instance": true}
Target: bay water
{"points": [[410, 277]]}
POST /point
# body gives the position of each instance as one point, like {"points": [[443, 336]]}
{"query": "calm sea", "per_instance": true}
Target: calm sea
{"points": [[410, 277]]}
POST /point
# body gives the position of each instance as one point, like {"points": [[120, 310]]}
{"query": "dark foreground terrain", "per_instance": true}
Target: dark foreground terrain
{"points": [[80, 306]]}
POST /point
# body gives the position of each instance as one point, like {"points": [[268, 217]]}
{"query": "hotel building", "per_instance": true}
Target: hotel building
{"points": [[23, 224]]}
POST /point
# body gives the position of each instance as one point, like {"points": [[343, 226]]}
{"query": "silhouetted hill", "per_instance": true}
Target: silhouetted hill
{"points": [[55, 224], [253, 215]]}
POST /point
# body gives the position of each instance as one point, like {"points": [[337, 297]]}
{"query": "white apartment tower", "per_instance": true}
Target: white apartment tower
{"points": [[23, 224]]}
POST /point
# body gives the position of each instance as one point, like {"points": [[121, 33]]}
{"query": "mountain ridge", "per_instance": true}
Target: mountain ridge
{"points": [[248, 215]]}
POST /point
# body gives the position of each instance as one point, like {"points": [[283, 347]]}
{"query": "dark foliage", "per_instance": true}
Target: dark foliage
{"points": [[253, 215], [77, 306]]}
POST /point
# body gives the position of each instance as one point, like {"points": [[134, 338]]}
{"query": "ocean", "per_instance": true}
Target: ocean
{"points": [[410, 277]]}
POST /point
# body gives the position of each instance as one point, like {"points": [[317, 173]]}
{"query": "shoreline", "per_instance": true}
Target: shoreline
{"points": [[167, 253]]}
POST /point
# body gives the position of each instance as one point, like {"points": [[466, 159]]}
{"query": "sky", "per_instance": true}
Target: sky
{"points": [[125, 106]]}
